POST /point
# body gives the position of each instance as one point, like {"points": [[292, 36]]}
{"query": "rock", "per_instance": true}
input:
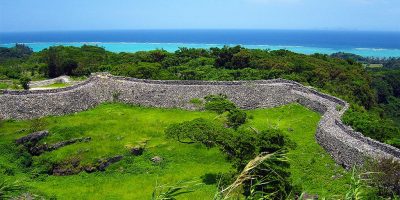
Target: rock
{"points": [[90, 169], [73, 166], [32, 138], [137, 150], [310, 197], [60, 171], [156, 159], [105, 163], [337, 176], [68, 142], [37, 150], [66, 168]]}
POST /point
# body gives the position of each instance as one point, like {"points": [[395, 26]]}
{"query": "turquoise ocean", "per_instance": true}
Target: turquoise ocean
{"points": [[368, 44]]}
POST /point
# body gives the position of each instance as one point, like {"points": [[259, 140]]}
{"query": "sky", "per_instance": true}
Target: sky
{"points": [[60, 15]]}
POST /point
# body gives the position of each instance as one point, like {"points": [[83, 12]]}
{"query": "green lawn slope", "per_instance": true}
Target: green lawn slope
{"points": [[115, 128]]}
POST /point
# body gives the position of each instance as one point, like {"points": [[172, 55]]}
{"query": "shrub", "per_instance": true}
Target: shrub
{"points": [[357, 189], [196, 101], [394, 142], [236, 118], [264, 177], [371, 125], [239, 147], [272, 140], [219, 103], [24, 81], [339, 107], [269, 178], [385, 175], [198, 130]]}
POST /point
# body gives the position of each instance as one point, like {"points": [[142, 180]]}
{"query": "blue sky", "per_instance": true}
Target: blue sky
{"points": [[45, 15]]}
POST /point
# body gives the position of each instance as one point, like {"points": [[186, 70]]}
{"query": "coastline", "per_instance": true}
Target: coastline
{"points": [[171, 47]]}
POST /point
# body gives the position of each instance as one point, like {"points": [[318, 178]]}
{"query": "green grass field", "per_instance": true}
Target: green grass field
{"points": [[3, 85], [114, 128]]}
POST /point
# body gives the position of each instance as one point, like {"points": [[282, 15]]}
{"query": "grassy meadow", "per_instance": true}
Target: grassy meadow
{"points": [[115, 128]]}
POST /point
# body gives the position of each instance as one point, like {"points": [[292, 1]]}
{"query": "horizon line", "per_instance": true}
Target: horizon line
{"points": [[199, 29]]}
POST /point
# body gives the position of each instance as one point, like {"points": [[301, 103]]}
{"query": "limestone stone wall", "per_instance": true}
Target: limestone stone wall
{"points": [[346, 146], [61, 79]]}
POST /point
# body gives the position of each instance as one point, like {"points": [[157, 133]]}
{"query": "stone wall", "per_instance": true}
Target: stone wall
{"points": [[346, 146], [61, 79]]}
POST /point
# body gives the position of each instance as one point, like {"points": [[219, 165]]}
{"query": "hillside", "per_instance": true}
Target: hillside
{"points": [[99, 147]]}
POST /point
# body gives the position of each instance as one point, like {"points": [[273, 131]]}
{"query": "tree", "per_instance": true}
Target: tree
{"points": [[69, 66], [236, 118], [52, 62], [241, 59], [24, 81]]}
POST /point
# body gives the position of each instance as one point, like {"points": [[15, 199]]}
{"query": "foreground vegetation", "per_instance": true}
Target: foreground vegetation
{"points": [[115, 128]]}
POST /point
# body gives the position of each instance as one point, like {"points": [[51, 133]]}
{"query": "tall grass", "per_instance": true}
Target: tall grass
{"points": [[171, 192], [234, 191], [8, 189]]}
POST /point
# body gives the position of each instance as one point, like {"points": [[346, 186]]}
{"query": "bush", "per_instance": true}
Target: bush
{"points": [[24, 81], [272, 140], [242, 146], [385, 175], [198, 130], [219, 103], [196, 101], [394, 142], [236, 118], [371, 125], [271, 179]]}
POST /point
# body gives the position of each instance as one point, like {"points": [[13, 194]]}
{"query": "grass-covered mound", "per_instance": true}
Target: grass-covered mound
{"points": [[114, 129]]}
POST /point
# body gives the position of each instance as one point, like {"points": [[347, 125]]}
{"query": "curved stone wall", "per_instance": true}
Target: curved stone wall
{"points": [[61, 79], [346, 146]]}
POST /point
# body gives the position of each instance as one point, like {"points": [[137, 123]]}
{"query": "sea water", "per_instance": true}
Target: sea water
{"points": [[369, 44]]}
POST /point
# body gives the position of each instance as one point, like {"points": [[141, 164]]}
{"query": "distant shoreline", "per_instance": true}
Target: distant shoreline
{"points": [[171, 47], [363, 43]]}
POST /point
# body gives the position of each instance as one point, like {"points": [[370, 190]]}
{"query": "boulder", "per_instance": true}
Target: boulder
{"points": [[156, 159], [137, 150], [103, 164], [32, 138], [39, 149]]}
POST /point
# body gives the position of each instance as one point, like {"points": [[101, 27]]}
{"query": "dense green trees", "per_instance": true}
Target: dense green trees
{"points": [[16, 52]]}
